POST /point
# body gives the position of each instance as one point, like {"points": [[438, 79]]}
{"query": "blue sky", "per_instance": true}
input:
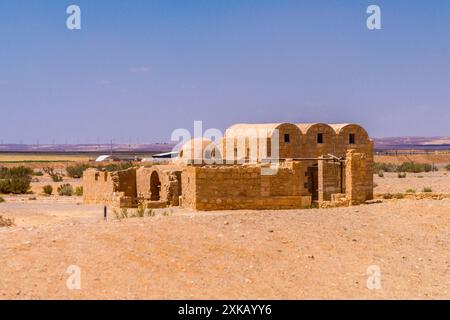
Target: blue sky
{"points": [[137, 70]]}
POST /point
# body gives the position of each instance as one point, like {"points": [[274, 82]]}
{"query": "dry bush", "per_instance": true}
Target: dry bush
{"points": [[56, 177], [48, 189], [76, 171], [79, 191], [65, 190], [5, 222]]}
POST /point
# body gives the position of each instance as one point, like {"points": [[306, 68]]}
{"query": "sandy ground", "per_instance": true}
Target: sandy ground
{"points": [[438, 181], [291, 254], [438, 159]]}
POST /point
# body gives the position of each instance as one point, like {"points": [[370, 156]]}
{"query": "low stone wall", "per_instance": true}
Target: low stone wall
{"points": [[244, 187], [110, 188]]}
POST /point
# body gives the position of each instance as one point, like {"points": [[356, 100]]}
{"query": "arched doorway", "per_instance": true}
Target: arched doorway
{"points": [[155, 186]]}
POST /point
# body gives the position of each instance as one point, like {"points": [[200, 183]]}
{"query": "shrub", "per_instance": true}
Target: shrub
{"points": [[447, 167], [38, 173], [2, 200], [115, 166], [79, 191], [20, 172], [381, 173], [401, 175], [65, 190], [387, 196], [5, 222], [55, 176], [15, 180], [151, 213], [410, 190], [117, 214], [415, 167], [76, 171], [48, 190], [427, 189], [140, 212], [124, 213], [386, 167], [398, 196], [16, 185]]}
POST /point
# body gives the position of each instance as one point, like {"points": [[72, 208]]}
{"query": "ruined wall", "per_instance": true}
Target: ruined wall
{"points": [[243, 187], [111, 188], [358, 179], [329, 176], [188, 186], [168, 189]]}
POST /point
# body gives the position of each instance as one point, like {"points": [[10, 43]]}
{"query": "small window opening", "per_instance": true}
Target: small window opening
{"points": [[287, 138], [351, 138], [320, 138]]}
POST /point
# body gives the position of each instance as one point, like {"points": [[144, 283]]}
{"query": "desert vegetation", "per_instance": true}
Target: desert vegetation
{"points": [[15, 180], [47, 190], [56, 177], [5, 222], [76, 170], [65, 190], [413, 167]]}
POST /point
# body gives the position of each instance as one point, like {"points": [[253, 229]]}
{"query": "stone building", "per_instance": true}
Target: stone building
{"points": [[254, 166]]}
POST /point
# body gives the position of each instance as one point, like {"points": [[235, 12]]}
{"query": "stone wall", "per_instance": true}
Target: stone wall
{"points": [[168, 189], [109, 188], [243, 187], [359, 179], [329, 176]]}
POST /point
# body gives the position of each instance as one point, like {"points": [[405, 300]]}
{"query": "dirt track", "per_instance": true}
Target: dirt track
{"points": [[256, 255]]}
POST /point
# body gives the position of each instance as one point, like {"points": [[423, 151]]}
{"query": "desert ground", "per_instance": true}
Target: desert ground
{"points": [[180, 254]]}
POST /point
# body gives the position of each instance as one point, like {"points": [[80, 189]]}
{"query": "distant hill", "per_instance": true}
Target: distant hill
{"points": [[421, 143], [392, 143], [87, 148]]}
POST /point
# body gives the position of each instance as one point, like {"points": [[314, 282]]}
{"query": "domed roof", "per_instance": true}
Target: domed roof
{"points": [[244, 129], [195, 148], [339, 127], [305, 127]]}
